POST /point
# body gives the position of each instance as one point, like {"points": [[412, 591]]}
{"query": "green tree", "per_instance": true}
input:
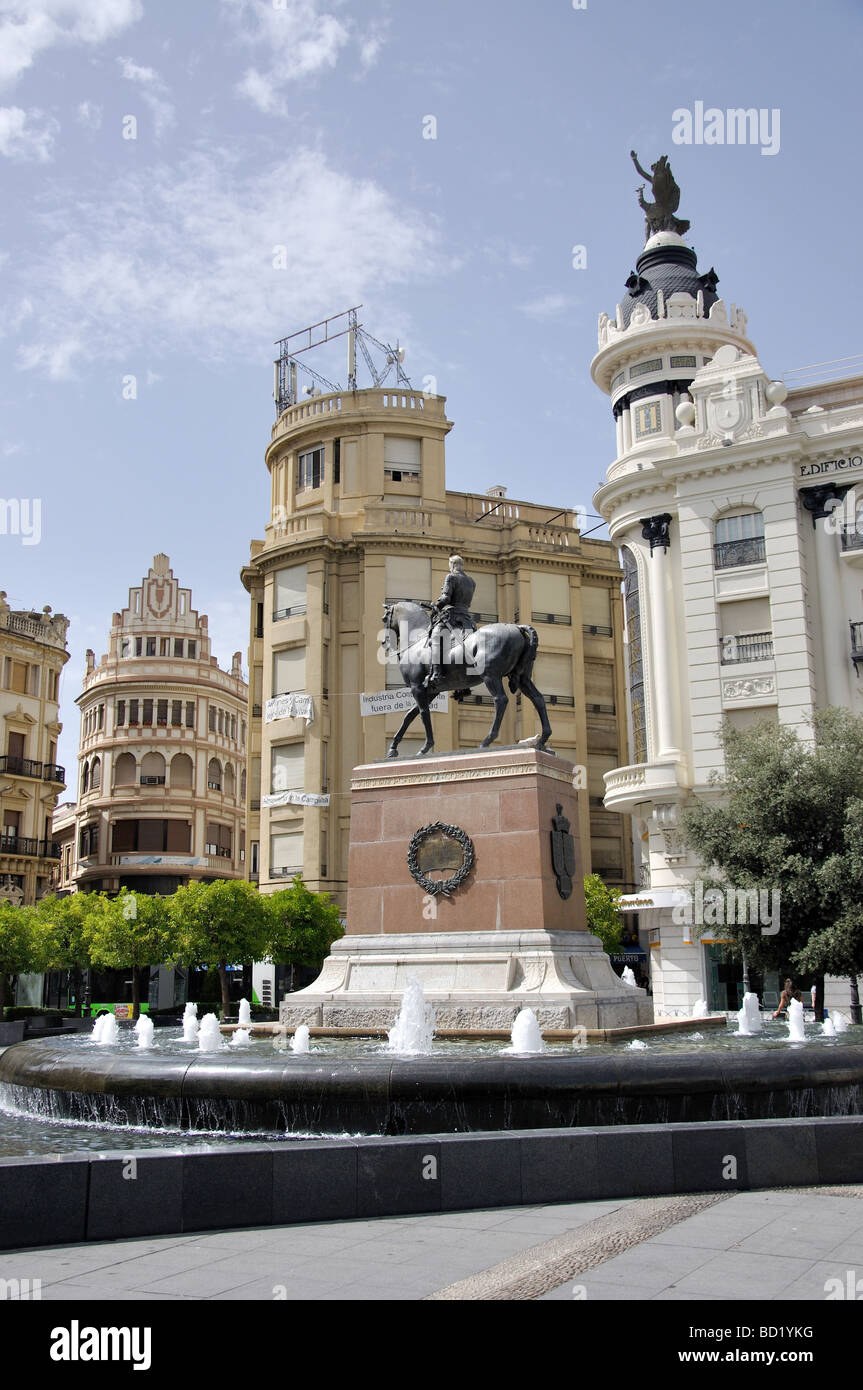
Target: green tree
{"points": [[220, 923], [302, 925], [780, 826], [20, 946], [62, 923], [130, 932], [603, 912]]}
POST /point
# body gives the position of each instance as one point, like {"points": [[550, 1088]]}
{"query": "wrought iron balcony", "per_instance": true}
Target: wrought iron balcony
{"points": [[750, 646], [856, 645], [22, 844], [21, 767], [851, 538], [297, 611], [751, 551], [53, 772]]}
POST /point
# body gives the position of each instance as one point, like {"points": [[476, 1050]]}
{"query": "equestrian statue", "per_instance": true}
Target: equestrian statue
{"points": [[439, 647]]}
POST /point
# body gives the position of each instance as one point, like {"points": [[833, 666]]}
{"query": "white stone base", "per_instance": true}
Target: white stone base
{"points": [[473, 979]]}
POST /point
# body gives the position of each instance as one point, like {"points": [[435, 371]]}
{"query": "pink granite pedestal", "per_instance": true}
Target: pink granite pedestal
{"points": [[504, 939]]}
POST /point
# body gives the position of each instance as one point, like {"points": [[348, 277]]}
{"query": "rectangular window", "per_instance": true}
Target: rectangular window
{"points": [[162, 712], [101, 716], [289, 671], [124, 835], [259, 620], [401, 458], [121, 712], [648, 419], [15, 745], [164, 646], [286, 854], [337, 461], [211, 719], [176, 713], [289, 592], [178, 646], [484, 602], [151, 646], [19, 677], [407, 577], [190, 714], [178, 837], [549, 597], [596, 611], [191, 650], [288, 768], [310, 469], [151, 836], [133, 712], [147, 716], [554, 677], [139, 645]]}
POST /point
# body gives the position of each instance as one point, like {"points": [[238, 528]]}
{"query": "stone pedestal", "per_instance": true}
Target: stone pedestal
{"points": [[502, 939]]}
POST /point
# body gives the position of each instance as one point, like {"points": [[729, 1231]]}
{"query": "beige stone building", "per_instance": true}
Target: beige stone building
{"points": [[361, 515], [32, 656], [162, 752]]}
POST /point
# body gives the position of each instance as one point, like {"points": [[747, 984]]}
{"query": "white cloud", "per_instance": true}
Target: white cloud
{"points": [[28, 27], [300, 39], [183, 260], [154, 93], [89, 115], [548, 306], [26, 135]]}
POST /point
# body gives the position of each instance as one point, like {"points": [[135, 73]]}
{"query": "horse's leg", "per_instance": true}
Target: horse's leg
{"points": [[494, 686], [423, 699], [538, 703], [393, 750]]}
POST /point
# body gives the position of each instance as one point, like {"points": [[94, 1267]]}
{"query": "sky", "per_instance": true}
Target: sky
{"points": [[183, 184]]}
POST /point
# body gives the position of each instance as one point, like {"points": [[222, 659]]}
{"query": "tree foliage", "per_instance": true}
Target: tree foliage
{"points": [[129, 932], [219, 924], [20, 945], [603, 912], [302, 925]]}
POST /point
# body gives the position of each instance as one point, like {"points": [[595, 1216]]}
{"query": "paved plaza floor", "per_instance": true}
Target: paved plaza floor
{"points": [[769, 1245]]}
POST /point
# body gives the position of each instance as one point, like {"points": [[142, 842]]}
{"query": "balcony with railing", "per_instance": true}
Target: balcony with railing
{"points": [[29, 767], [749, 551], [748, 646], [34, 849], [856, 645], [851, 538]]}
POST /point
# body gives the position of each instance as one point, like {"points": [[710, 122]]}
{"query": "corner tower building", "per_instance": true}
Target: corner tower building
{"points": [[742, 590]]}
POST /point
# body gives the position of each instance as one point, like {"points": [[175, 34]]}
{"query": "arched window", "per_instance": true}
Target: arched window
{"points": [[214, 775], [85, 778], [739, 540], [125, 770], [181, 770], [230, 782], [95, 774], [243, 786], [152, 770]]}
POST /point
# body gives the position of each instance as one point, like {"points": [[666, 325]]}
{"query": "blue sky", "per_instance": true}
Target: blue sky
{"points": [[300, 124]]}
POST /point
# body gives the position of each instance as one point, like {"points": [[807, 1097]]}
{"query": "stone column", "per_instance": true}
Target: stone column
{"points": [[656, 530], [819, 502]]}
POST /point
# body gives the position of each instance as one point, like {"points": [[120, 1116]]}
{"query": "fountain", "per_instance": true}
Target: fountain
{"points": [[241, 1037], [526, 1034], [210, 1036], [637, 1045], [749, 1017], [828, 1028], [840, 1023], [145, 1028], [244, 1016], [795, 1022], [627, 977], [106, 1031], [413, 1030], [699, 1009], [300, 1040], [190, 1023]]}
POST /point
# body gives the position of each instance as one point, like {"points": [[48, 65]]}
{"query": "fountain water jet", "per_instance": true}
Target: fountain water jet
{"points": [[795, 1022], [699, 1009], [840, 1023], [627, 977], [106, 1032], [244, 1016], [145, 1028], [749, 1017], [413, 1030], [210, 1036], [300, 1040], [190, 1023], [828, 1027], [241, 1037], [526, 1034]]}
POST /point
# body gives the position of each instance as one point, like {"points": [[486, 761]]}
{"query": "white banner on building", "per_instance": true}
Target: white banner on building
{"points": [[289, 707], [398, 702], [188, 861], [294, 799]]}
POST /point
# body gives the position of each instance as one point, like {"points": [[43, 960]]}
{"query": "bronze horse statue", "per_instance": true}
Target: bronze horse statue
{"points": [[485, 657]]}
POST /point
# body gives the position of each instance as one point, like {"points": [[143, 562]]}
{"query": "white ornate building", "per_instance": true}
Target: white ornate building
{"points": [[162, 753], [743, 589]]}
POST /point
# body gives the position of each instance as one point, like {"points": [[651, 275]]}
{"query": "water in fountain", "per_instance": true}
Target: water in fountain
{"points": [[840, 1023], [413, 1030], [145, 1028], [795, 1022], [244, 1016], [699, 1008], [526, 1035], [106, 1031], [637, 1045], [627, 977], [300, 1040], [210, 1036], [241, 1037], [828, 1027], [749, 1017], [190, 1023]]}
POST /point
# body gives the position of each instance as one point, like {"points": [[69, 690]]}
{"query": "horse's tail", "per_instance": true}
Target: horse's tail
{"points": [[523, 669]]}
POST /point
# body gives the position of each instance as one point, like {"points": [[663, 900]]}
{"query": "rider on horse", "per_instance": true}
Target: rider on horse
{"points": [[450, 613]]}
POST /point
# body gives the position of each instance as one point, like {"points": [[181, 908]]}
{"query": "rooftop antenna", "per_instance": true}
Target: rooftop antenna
{"points": [[316, 335]]}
